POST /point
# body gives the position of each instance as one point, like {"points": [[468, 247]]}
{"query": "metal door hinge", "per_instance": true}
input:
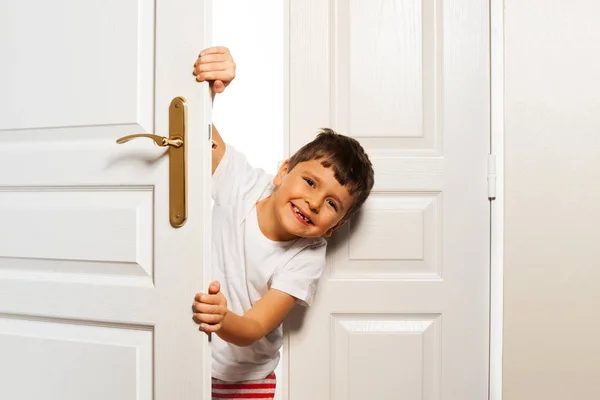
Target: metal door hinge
{"points": [[491, 177]]}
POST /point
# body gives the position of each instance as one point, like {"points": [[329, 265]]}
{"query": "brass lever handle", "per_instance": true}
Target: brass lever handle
{"points": [[177, 159], [159, 140]]}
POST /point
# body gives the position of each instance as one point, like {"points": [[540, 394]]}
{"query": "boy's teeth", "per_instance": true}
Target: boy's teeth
{"points": [[297, 210]]}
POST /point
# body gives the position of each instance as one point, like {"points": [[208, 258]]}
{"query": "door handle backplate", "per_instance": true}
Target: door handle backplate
{"points": [[177, 140]]}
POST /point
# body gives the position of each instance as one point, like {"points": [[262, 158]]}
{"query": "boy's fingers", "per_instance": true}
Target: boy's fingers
{"points": [[204, 308], [214, 50], [214, 75], [211, 299], [221, 63], [207, 318], [210, 67], [199, 296], [212, 58], [210, 328]]}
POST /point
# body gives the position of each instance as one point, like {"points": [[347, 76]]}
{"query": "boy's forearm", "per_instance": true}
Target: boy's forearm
{"points": [[219, 151], [239, 330]]}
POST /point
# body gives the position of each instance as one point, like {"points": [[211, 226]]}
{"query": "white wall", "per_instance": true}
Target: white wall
{"points": [[249, 114], [552, 205]]}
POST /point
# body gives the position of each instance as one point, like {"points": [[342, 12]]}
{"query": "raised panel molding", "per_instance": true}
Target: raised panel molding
{"points": [[396, 235], [364, 344], [76, 361], [77, 233], [396, 81], [101, 72]]}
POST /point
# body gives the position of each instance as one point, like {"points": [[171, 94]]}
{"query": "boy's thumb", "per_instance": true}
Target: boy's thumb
{"points": [[219, 87], [214, 287]]}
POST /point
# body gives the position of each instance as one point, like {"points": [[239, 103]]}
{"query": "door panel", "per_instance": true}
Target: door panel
{"points": [[402, 308], [71, 359], [91, 61], [96, 286]]}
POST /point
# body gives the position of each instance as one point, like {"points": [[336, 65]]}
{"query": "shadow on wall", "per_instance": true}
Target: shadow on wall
{"points": [[295, 319]]}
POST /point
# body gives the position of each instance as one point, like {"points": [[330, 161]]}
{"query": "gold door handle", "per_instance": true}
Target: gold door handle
{"points": [[159, 140], [177, 159]]}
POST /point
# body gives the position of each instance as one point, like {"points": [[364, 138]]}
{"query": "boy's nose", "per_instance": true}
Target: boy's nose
{"points": [[312, 205]]}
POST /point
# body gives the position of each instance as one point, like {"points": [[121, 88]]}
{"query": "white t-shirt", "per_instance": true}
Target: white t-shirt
{"points": [[247, 264]]}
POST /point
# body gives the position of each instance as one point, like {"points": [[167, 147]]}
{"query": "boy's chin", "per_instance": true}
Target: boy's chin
{"points": [[304, 233], [310, 235]]}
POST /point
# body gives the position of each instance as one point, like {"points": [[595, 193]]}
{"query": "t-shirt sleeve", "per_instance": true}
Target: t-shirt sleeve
{"points": [[233, 178], [300, 276]]}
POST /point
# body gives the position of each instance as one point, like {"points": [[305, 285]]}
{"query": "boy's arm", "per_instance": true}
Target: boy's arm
{"points": [[211, 313], [293, 283], [261, 319], [219, 151], [216, 66]]}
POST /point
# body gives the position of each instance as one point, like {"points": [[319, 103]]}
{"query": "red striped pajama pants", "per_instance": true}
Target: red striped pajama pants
{"points": [[261, 389]]}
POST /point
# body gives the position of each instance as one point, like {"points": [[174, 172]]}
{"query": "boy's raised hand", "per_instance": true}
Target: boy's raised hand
{"points": [[215, 65], [210, 309]]}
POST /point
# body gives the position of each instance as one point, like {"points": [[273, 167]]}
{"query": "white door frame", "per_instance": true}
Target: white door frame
{"points": [[496, 207]]}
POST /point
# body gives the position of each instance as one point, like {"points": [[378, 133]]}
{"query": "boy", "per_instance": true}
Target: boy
{"points": [[268, 242]]}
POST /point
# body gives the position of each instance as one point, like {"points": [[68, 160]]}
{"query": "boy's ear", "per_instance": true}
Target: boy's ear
{"points": [[281, 173], [335, 228]]}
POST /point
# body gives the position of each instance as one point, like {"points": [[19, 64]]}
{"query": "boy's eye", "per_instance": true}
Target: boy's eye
{"points": [[309, 181], [332, 204]]}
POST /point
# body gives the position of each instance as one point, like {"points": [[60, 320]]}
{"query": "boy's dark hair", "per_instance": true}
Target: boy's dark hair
{"points": [[350, 163]]}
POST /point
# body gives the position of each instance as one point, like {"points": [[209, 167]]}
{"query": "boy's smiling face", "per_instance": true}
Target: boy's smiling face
{"points": [[309, 201]]}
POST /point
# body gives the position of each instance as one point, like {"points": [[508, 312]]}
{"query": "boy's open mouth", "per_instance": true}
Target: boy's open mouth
{"points": [[301, 216]]}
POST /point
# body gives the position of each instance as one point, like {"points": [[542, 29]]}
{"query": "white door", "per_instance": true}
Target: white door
{"points": [[96, 285], [402, 309]]}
